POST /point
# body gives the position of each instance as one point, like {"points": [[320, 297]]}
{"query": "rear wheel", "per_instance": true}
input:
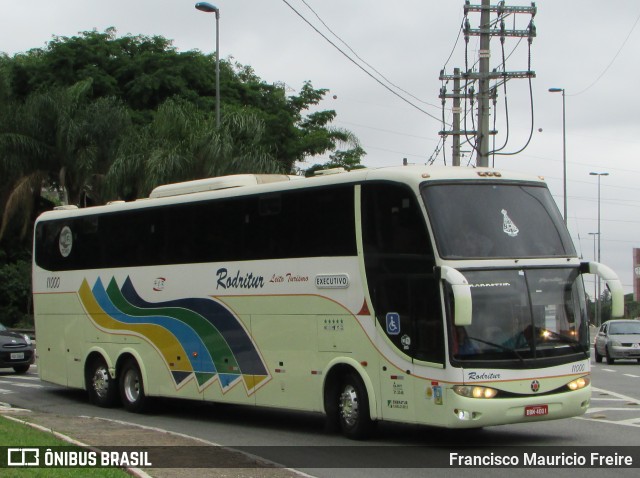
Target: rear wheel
{"points": [[353, 408], [101, 387], [132, 387]]}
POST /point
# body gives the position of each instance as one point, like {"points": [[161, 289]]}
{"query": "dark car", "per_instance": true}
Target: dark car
{"points": [[618, 339], [16, 350]]}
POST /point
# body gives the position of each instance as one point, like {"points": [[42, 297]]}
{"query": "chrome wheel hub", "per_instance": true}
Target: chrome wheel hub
{"points": [[348, 405]]}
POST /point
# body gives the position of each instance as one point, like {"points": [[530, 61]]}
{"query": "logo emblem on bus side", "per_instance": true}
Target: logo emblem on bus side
{"points": [[65, 242], [158, 284], [535, 386]]}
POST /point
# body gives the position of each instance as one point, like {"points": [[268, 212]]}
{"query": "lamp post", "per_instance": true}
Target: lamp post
{"points": [[595, 285], [599, 305], [209, 8], [564, 148]]}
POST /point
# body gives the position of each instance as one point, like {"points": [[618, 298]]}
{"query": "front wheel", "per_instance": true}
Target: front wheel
{"points": [[597, 356], [102, 389], [610, 360], [353, 408], [20, 369], [132, 387]]}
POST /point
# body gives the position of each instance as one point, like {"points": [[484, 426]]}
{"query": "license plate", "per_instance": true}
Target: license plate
{"points": [[17, 356], [536, 410]]}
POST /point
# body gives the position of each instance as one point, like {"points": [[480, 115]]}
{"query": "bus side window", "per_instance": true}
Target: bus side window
{"points": [[399, 264]]}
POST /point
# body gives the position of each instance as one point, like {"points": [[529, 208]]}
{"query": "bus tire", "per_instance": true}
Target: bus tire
{"points": [[132, 387], [102, 389], [353, 408]]}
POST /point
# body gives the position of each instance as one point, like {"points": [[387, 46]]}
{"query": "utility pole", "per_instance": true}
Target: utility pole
{"points": [[483, 100], [484, 75]]}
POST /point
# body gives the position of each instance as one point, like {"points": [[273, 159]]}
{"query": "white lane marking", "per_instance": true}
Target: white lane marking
{"points": [[596, 414], [617, 395]]}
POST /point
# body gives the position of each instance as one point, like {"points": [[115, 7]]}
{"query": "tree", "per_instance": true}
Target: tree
{"points": [[15, 293], [57, 139], [348, 160], [145, 71], [95, 117], [183, 144]]}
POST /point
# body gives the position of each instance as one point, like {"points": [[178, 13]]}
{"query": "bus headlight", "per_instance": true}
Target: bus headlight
{"points": [[475, 392], [579, 383]]}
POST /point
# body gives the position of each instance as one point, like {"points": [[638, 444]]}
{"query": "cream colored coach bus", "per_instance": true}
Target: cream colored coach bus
{"points": [[443, 296]]}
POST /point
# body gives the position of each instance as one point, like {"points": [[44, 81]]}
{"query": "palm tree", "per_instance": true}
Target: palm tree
{"points": [[57, 139], [182, 144]]}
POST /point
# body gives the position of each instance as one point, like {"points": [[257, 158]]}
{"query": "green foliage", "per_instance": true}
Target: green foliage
{"points": [[631, 307], [15, 293], [18, 435], [143, 72], [348, 160], [96, 117]]}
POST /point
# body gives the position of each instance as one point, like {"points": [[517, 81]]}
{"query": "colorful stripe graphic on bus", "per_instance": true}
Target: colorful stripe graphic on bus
{"points": [[195, 336]]}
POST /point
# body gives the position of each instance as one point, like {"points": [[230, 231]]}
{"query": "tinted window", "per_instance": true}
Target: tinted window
{"points": [[315, 222], [399, 263], [496, 220]]}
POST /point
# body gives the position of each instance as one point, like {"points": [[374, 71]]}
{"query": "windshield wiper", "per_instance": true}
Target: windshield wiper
{"points": [[502, 347], [569, 340]]}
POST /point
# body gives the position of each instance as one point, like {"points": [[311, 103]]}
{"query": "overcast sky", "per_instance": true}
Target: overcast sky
{"points": [[588, 47]]}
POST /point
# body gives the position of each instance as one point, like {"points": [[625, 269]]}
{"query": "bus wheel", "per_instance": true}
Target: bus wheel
{"points": [[102, 389], [353, 408], [132, 387]]}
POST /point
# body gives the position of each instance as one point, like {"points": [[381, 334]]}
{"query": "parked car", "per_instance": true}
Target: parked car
{"points": [[16, 350], [618, 339]]}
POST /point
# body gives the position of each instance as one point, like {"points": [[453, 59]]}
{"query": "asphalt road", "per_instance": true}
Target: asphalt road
{"points": [[300, 439]]}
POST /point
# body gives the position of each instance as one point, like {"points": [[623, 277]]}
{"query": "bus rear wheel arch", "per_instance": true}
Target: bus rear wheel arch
{"points": [[101, 387], [131, 385]]}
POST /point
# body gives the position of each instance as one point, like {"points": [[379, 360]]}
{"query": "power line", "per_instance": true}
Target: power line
{"points": [[363, 60], [611, 62], [357, 64]]}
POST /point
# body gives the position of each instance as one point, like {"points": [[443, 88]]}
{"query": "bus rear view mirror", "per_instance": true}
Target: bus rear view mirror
{"points": [[612, 281], [461, 295]]}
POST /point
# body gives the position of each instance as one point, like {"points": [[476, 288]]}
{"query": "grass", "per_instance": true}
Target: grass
{"points": [[15, 434]]}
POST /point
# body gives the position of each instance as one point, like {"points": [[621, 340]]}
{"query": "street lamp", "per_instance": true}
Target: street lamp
{"points": [[564, 149], [595, 285], [599, 307], [208, 8]]}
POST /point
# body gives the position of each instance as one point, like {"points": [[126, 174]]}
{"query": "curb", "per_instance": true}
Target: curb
{"points": [[84, 430], [137, 472]]}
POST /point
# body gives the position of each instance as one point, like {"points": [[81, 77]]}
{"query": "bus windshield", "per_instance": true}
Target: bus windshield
{"points": [[523, 314], [489, 220]]}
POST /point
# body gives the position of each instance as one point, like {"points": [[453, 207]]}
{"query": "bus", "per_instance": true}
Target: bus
{"points": [[450, 297]]}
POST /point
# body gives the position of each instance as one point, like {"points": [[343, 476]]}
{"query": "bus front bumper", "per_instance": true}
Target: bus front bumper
{"points": [[465, 412]]}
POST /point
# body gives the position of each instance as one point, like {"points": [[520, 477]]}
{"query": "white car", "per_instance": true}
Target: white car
{"points": [[618, 339]]}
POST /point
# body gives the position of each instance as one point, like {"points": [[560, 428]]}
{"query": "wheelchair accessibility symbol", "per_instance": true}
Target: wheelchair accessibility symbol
{"points": [[393, 323]]}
